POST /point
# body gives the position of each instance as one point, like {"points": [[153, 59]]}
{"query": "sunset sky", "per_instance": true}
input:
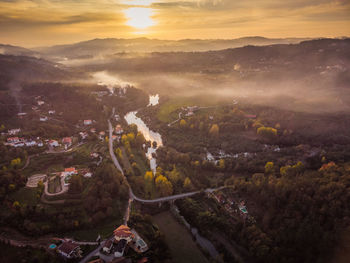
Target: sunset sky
{"points": [[32, 23]]}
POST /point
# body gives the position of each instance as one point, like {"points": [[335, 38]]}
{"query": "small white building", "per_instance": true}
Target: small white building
{"points": [[83, 135], [14, 131], [30, 143], [40, 102], [53, 143], [87, 122], [44, 118], [18, 144], [51, 112]]}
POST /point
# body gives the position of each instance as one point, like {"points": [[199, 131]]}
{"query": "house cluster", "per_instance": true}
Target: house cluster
{"points": [[22, 142], [87, 122], [70, 171], [190, 110], [43, 118], [16, 141], [118, 129], [21, 114], [232, 207], [100, 93], [124, 237]]}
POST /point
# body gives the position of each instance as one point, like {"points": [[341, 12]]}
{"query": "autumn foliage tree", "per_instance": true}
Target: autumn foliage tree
{"points": [[163, 186], [214, 130]]}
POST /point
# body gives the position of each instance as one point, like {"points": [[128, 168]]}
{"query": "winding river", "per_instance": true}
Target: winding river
{"points": [[149, 135], [153, 136]]}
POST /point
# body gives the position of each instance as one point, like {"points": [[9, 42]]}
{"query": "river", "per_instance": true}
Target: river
{"points": [[149, 135], [201, 241]]}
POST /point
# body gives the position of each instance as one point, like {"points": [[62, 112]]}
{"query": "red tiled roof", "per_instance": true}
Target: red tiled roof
{"points": [[70, 169], [123, 232], [67, 140]]}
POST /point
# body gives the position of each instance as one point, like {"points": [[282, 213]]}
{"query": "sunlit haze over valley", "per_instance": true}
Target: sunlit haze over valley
{"points": [[166, 131]]}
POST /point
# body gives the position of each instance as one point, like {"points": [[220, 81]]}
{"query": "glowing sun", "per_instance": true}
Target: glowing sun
{"points": [[139, 17]]}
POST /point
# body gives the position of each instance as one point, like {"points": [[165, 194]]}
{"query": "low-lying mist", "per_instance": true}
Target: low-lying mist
{"points": [[310, 95], [311, 76]]}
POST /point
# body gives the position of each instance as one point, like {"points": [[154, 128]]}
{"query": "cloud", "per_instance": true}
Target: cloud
{"points": [[175, 18]]}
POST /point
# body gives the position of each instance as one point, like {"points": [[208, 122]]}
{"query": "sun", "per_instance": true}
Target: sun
{"points": [[139, 17]]}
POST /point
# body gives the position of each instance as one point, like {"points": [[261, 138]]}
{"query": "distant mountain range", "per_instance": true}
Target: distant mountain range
{"points": [[102, 47], [17, 51]]}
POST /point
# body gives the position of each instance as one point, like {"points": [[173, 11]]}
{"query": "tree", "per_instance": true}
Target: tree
{"points": [[124, 139], [183, 123], [16, 205], [16, 162], [140, 139], [149, 176], [131, 138], [163, 185], [75, 184], [174, 175], [267, 132], [187, 184], [269, 168], [214, 130], [222, 164]]}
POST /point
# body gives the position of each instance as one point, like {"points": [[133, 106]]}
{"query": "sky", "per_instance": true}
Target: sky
{"points": [[33, 23]]}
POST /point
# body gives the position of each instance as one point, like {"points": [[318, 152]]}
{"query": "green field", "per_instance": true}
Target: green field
{"points": [[169, 111], [183, 248], [105, 230]]}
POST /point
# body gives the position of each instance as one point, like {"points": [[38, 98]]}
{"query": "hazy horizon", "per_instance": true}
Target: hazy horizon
{"points": [[34, 23]]}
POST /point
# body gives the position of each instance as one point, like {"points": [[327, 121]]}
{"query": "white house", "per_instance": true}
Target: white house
{"points": [[118, 129], [51, 112], [13, 139], [70, 171], [18, 144], [87, 122], [67, 141], [14, 131], [40, 102], [123, 232], [53, 143], [44, 118], [30, 143], [83, 135]]}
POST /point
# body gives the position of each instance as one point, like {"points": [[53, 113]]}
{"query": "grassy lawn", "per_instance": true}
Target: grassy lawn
{"points": [[105, 230], [169, 110], [25, 196], [183, 248]]}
